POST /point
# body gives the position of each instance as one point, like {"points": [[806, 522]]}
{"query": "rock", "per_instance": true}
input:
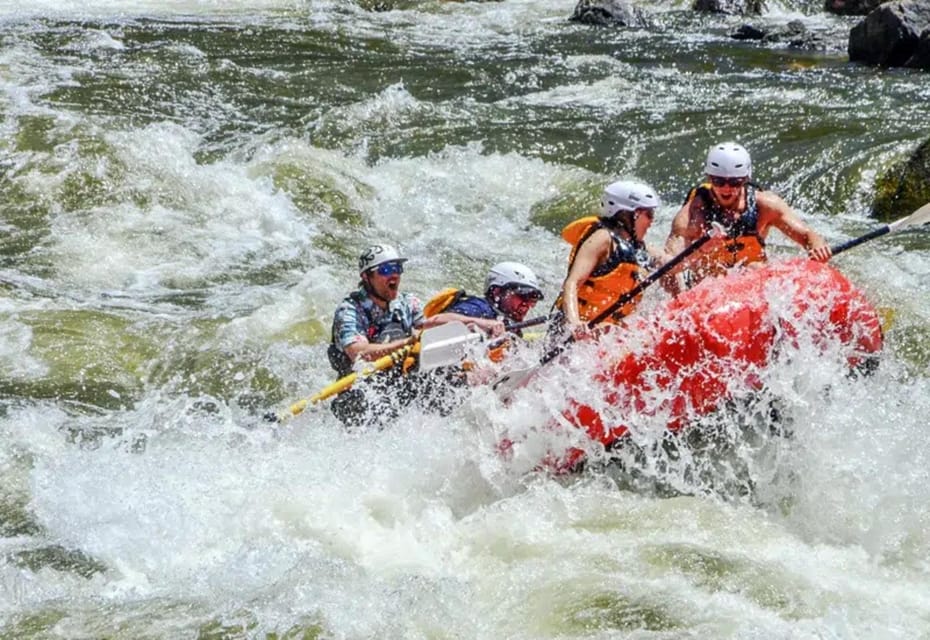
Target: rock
{"points": [[889, 36], [851, 7], [794, 33], [734, 7], [605, 13], [921, 57], [748, 32], [904, 187]]}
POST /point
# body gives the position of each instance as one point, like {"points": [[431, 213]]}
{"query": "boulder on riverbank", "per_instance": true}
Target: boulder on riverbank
{"points": [[904, 187], [608, 13], [893, 35], [733, 7]]}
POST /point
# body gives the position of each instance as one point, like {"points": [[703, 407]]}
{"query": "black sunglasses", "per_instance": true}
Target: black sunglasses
{"points": [[732, 182], [525, 293]]}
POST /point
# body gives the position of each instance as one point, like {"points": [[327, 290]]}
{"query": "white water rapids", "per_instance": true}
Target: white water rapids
{"points": [[186, 186]]}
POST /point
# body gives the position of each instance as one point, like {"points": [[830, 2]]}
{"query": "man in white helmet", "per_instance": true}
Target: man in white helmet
{"points": [[746, 212], [374, 320], [511, 290], [609, 256]]}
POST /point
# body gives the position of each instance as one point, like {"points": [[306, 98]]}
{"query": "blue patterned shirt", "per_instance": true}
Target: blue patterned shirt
{"points": [[359, 316]]}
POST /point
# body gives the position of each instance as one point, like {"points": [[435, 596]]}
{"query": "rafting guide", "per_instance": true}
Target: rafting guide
{"points": [[746, 211]]}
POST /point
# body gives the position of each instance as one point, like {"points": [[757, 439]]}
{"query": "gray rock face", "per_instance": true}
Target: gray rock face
{"points": [[889, 36], [733, 7], [795, 34], [921, 57], [607, 13], [851, 7]]}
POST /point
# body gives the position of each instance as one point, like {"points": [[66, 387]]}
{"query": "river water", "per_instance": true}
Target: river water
{"points": [[185, 186]]}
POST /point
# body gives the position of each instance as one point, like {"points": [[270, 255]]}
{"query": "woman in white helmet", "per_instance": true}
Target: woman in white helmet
{"points": [[730, 199], [609, 255]]}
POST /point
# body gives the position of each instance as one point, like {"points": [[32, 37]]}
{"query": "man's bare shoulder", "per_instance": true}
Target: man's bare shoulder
{"points": [[772, 208], [690, 219], [770, 200]]}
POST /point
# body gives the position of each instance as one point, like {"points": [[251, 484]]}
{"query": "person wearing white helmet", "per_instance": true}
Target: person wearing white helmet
{"points": [[609, 255], [744, 210], [374, 320], [511, 290], [377, 319]]}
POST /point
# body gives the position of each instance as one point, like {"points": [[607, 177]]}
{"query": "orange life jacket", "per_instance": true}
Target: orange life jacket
{"points": [[742, 246], [625, 266], [442, 301]]}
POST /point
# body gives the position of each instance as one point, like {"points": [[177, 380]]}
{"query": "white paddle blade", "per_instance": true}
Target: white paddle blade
{"points": [[445, 345], [916, 219], [507, 384]]}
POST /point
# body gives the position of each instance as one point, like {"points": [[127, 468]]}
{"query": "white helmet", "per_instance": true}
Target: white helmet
{"points": [[626, 195], [378, 254], [728, 160], [513, 275]]}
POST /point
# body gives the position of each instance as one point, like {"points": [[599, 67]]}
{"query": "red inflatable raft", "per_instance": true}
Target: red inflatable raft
{"points": [[686, 358]]}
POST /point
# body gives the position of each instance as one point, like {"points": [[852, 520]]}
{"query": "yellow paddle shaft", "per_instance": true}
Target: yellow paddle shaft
{"points": [[343, 383]]}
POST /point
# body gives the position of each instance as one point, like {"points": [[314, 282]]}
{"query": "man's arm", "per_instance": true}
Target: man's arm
{"points": [[774, 211], [371, 351], [491, 326], [680, 238], [350, 336]]}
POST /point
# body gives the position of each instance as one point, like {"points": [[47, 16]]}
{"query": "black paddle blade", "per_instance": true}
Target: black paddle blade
{"points": [[271, 417]]}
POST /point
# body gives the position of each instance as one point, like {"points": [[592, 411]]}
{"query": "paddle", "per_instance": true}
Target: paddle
{"points": [[507, 384], [445, 345], [436, 347], [523, 324], [916, 219]]}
